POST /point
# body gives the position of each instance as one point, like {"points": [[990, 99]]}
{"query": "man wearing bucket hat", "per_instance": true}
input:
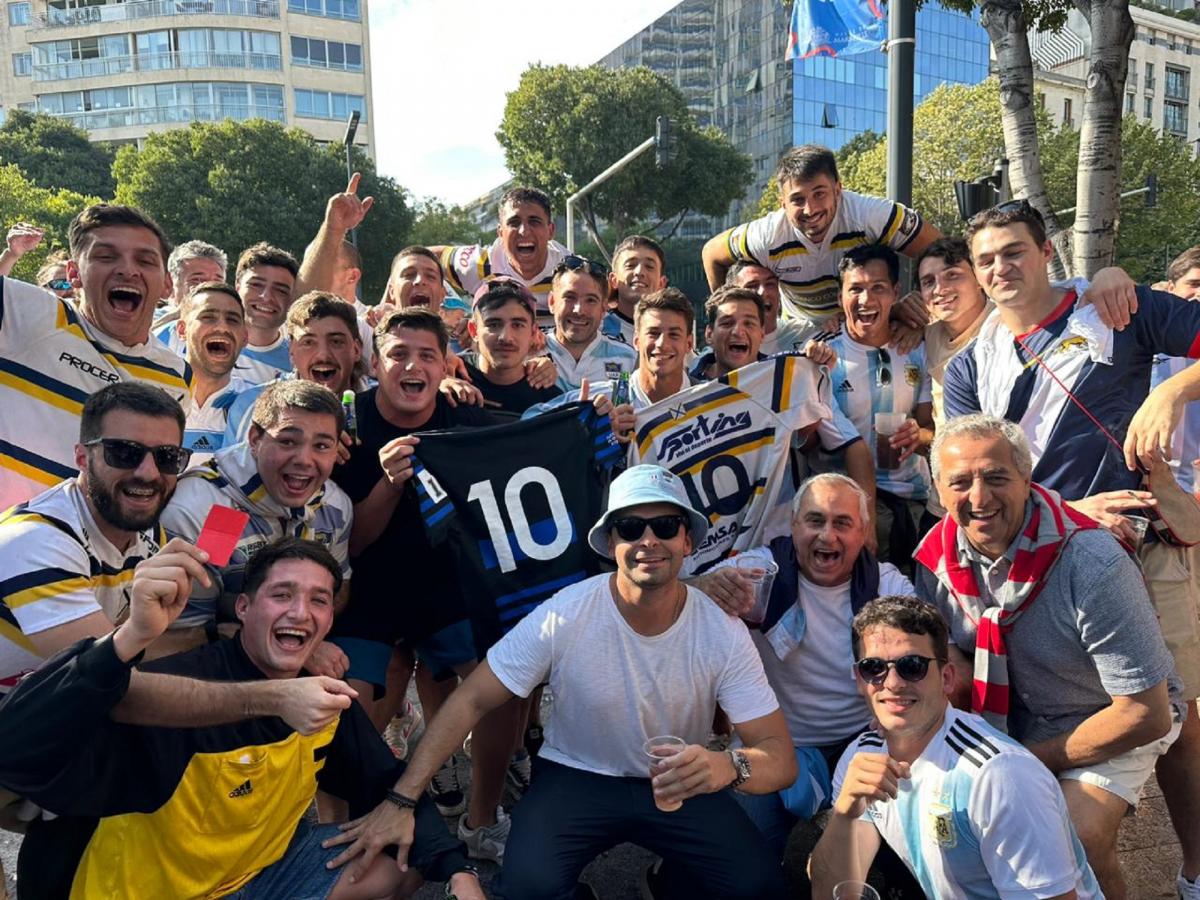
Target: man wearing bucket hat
{"points": [[629, 656]]}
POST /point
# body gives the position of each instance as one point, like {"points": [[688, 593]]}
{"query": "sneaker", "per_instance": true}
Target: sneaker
{"points": [[520, 769], [1188, 890], [446, 790], [486, 841], [403, 730], [651, 883]]}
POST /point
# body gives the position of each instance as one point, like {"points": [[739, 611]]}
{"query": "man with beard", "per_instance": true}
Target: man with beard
{"points": [[213, 327], [54, 353], [577, 346], [67, 556], [639, 269]]}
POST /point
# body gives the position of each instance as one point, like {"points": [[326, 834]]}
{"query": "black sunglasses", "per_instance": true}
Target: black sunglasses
{"points": [[121, 454], [884, 375], [59, 284], [911, 667], [630, 528], [574, 263], [1022, 206]]}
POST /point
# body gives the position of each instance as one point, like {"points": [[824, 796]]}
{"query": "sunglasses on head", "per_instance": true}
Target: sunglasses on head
{"points": [[1008, 206], [911, 667], [122, 454], [630, 528], [574, 263], [59, 284]]}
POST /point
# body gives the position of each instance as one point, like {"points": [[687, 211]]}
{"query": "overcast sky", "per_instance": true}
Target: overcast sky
{"points": [[441, 69]]}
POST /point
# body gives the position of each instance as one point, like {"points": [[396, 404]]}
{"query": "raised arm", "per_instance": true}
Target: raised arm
{"points": [[343, 212], [717, 259]]}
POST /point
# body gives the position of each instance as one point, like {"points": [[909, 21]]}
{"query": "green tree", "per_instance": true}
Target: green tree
{"points": [[23, 201], [437, 223], [563, 126], [55, 154], [236, 183]]}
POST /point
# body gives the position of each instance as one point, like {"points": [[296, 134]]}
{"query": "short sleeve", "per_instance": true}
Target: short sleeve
{"points": [[790, 386], [1024, 836], [47, 576], [894, 583], [1167, 324], [27, 314], [836, 432], [521, 659], [894, 224], [743, 691], [925, 391], [960, 392]]}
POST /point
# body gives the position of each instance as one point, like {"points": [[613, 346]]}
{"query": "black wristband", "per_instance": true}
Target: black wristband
{"points": [[400, 800]]}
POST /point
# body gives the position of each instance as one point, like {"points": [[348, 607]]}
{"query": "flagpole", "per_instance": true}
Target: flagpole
{"points": [[901, 46]]}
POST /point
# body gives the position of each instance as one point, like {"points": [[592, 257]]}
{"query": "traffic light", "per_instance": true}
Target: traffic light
{"points": [[662, 142]]}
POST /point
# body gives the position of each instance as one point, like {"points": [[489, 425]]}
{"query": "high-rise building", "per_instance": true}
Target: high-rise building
{"points": [[124, 68], [726, 58]]}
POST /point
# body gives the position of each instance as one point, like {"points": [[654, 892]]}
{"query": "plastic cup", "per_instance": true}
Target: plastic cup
{"points": [[886, 425], [658, 749], [1139, 526], [854, 890], [761, 575]]}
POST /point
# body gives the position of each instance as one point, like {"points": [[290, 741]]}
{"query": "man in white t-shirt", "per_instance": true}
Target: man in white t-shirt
{"points": [[825, 577], [629, 656], [970, 811]]}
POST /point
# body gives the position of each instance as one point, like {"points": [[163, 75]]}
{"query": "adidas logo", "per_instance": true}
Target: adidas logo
{"points": [[844, 388], [242, 790], [202, 443]]}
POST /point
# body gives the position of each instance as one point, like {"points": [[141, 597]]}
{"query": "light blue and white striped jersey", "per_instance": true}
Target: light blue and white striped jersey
{"points": [[602, 360], [616, 326], [258, 365], [866, 381], [980, 817], [204, 433]]}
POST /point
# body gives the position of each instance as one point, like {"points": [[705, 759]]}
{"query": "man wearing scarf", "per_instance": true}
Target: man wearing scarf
{"points": [[1068, 655]]}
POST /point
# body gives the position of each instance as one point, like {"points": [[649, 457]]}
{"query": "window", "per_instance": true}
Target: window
{"points": [[1175, 84], [1149, 108], [1175, 118], [1067, 120], [18, 14], [1129, 98], [1150, 76], [325, 105], [330, 9], [326, 54], [22, 64]]}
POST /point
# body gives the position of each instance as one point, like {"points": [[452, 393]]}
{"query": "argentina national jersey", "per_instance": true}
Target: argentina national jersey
{"points": [[728, 440], [515, 502], [980, 818]]}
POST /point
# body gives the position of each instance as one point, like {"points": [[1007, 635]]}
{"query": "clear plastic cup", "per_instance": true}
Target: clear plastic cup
{"points": [[854, 890], [658, 749], [761, 575], [886, 425]]}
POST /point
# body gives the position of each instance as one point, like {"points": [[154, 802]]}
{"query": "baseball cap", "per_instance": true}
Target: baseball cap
{"points": [[502, 285], [640, 485]]}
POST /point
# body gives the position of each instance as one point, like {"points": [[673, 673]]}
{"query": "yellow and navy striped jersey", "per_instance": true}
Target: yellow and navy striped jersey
{"points": [[728, 441], [469, 266], [56, 566], [808, 272], [51, 360]]}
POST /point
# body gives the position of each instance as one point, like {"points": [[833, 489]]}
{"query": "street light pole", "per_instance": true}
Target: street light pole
{"points": [[348, 141]]}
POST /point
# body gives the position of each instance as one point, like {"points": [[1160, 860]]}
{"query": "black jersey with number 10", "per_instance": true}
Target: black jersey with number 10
{"points": [[516, 502]]}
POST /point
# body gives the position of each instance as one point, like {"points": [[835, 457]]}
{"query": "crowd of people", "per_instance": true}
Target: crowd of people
{"points": [[917, 567]]}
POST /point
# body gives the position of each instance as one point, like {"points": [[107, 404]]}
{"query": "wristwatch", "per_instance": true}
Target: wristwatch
{"points": [[741, 765], [470, 870]]}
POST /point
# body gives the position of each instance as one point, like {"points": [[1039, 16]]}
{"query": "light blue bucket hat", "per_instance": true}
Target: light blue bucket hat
{"points": [[642, 485]]}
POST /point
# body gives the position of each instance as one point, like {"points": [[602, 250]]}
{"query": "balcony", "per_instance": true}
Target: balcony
{"points": [[159, 115], [156, 62], [153, 9]]}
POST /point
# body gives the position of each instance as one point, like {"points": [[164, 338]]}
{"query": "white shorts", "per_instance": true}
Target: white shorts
{"points": [[1125, 775]]}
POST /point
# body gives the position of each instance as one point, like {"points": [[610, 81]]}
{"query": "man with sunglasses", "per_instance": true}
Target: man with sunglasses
{"points": [[577, 346], [869, 379], [629, 656], [970, 811], [1068, 655]]}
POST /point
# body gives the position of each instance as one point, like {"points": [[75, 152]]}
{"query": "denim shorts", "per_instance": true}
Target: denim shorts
{"points": [[300, 874]]}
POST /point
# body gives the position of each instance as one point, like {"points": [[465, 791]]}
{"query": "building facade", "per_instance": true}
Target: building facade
{"points": [[1164, 63], [122, 70]]}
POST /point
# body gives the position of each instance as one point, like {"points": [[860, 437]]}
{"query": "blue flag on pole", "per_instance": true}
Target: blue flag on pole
{"points": [[835, 27]]}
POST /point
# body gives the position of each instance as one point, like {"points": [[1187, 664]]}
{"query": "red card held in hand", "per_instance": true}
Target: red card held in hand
{"points": [[220, 533]]}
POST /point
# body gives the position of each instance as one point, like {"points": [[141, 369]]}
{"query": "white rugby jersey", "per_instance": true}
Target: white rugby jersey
{"points": [[259, 365], [980, 817], [471, 265], [51, 360], [602, 360], [728, 440], [866, 381], [56, 566], [808, 277], [231, 478], [204, 433]]}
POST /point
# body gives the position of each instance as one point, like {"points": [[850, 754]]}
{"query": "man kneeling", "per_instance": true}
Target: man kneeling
{"points": [[216, 810], [970, 811], [629, 656]]}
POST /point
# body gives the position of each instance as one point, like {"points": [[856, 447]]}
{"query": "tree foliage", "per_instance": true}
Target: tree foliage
{"points": [[54, 154], [563, 126], [437, 223], [23, 201], [956, 136], [235, 183]]}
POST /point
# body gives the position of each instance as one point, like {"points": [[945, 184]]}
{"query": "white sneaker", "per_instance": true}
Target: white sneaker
{"points": [[404, 730], [486, 841], [1188, 890]]}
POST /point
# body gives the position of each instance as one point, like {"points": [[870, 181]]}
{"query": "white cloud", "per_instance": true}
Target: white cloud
{"points": [[441, 69]]}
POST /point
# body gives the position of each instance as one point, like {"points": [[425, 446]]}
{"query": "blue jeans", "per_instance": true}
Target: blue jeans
{"points": [[299, 874]]}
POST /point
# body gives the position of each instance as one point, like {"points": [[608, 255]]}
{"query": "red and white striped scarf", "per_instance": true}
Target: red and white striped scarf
{"points": [[1037, 548]]}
